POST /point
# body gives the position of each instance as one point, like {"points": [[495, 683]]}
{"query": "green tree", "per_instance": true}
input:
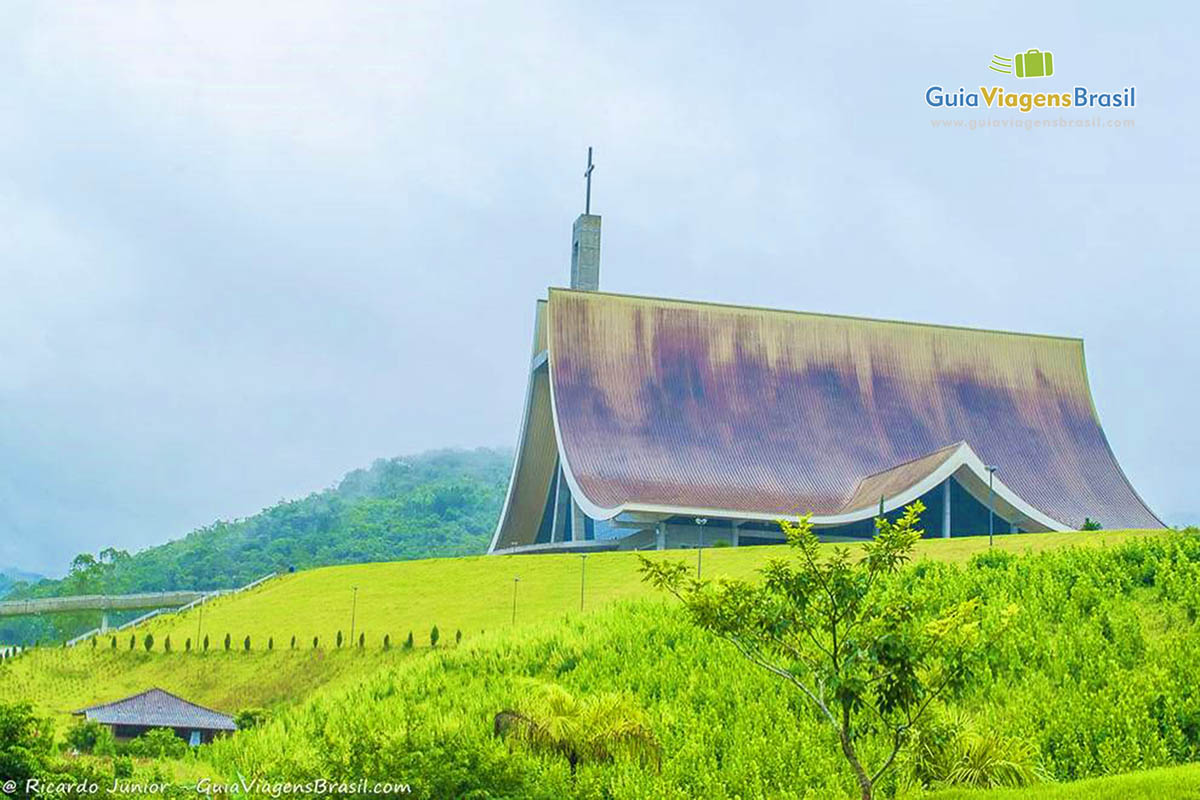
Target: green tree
{"points": [[595, 729], [228, 642], [408, 643], [270, 642], [434, 635], [167, 644], [387, 642], [293, 645], [206, 642], [339, 639], [858, 655], [148, 642], [246, 644]]}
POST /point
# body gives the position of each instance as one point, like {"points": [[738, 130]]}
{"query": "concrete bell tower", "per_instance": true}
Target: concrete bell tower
{"points": [[585, 242]]}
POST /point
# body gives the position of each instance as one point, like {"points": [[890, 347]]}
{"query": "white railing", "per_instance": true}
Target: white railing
{"points": [[83, 637]]}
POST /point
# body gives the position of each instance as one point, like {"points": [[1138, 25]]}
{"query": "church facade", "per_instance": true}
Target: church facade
{"points": [[653, 423]]}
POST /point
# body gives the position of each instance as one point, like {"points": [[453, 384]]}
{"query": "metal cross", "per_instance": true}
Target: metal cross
{"points": [[587, 207]]}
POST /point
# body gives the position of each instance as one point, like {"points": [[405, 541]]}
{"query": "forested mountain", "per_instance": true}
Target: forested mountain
{"points": [[10, 576], [440, 503]]}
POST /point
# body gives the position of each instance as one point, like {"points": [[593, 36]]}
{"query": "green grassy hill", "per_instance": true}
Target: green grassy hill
{"points": [[476, 593], [1095, 678]]}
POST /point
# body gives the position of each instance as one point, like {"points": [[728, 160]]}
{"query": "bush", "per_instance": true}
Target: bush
{"points": [[187, 645], [85, 736], [246, 644], [408, 643], [249, 718], [132, 641], [228, 642], [148, 642], [434, 635], [387, 642], [122, 767], [167, 644], [1090, 524], [206, 642], [293, 645], [458, 637], [316, 641], [157, 743], [362, 640], [113, 644], [339, 640]]}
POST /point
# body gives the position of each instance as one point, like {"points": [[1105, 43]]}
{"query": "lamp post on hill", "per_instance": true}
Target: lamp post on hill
{"points": [[701, 522], [516, 580], [991, 471], [353, 614]]}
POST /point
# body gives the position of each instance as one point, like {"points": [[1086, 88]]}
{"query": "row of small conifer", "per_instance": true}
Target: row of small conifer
{"points": [[148, 642]]}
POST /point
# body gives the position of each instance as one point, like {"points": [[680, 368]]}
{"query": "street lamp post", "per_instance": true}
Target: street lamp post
{"points": [[991, 513], [582, 576], [516, 580], [701, 522], [353, 615]]}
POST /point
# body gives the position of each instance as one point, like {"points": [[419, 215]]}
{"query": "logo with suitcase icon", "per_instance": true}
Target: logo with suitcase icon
{"points": [[1030, 64]]}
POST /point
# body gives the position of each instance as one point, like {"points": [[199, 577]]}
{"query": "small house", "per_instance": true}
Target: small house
{"points": [[154, 708]]}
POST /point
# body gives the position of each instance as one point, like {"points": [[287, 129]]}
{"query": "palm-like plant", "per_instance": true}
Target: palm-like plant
{"points": [[596, 728]]}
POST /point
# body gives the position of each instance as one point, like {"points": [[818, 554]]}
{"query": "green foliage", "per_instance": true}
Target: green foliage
{"points": [[339, 640], [362, 640], [591, 729], [387, 642], [1090, 524], [148, 642], [434, 635], [167, 644], [249, 718], [246, 644], [271, 643], [861, 657], [89, 736], [228, 642], [408, 643], [458, 636], [157, 743], [292, 646], [122, 767], [206, 642]]}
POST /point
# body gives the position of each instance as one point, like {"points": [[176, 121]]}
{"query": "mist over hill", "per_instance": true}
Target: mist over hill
{"points": [[438, 503]]}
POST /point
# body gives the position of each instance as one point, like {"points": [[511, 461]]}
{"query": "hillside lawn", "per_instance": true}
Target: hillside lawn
{"points": [[475, 593], [1167, 783]]}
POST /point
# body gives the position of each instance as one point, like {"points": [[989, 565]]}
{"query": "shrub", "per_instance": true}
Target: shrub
{"points": [[113, 643], [249, 718], [362, 640], [316, 641], [122, 767], [132, 641], [434, 635], [387, 642], [246, 644], [157, 743], [167, 644], [1090, 524], [86, 735], [293, 645], [93, 642], [206, 642], [187, 645], [228, 642], [458, 637], [408, 643], [271, 643], [148, 642], [339, 639]]}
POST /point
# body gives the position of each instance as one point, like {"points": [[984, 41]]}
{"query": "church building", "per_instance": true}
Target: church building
{"points": [[654, 423]]}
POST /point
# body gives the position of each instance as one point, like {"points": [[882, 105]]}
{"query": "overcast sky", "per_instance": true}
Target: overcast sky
{"points": [[246, 247]]}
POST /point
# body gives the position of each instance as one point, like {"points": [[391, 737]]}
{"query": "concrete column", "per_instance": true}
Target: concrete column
{"points": [[104, 622], [946, 508], [660, 535], [735, 535], [585, 253]]}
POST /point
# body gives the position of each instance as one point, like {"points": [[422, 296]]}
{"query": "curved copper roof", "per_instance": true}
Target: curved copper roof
{"points": [[664, 404]]}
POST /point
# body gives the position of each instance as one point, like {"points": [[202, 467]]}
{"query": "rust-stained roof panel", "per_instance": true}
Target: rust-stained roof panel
{"points": [[693, 405]]}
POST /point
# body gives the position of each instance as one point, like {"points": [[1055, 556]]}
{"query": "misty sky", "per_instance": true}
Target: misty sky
{"points": [[246, 247]]}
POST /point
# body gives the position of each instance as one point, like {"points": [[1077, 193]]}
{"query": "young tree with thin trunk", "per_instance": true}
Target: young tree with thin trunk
{"points": [[863, 658]]}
